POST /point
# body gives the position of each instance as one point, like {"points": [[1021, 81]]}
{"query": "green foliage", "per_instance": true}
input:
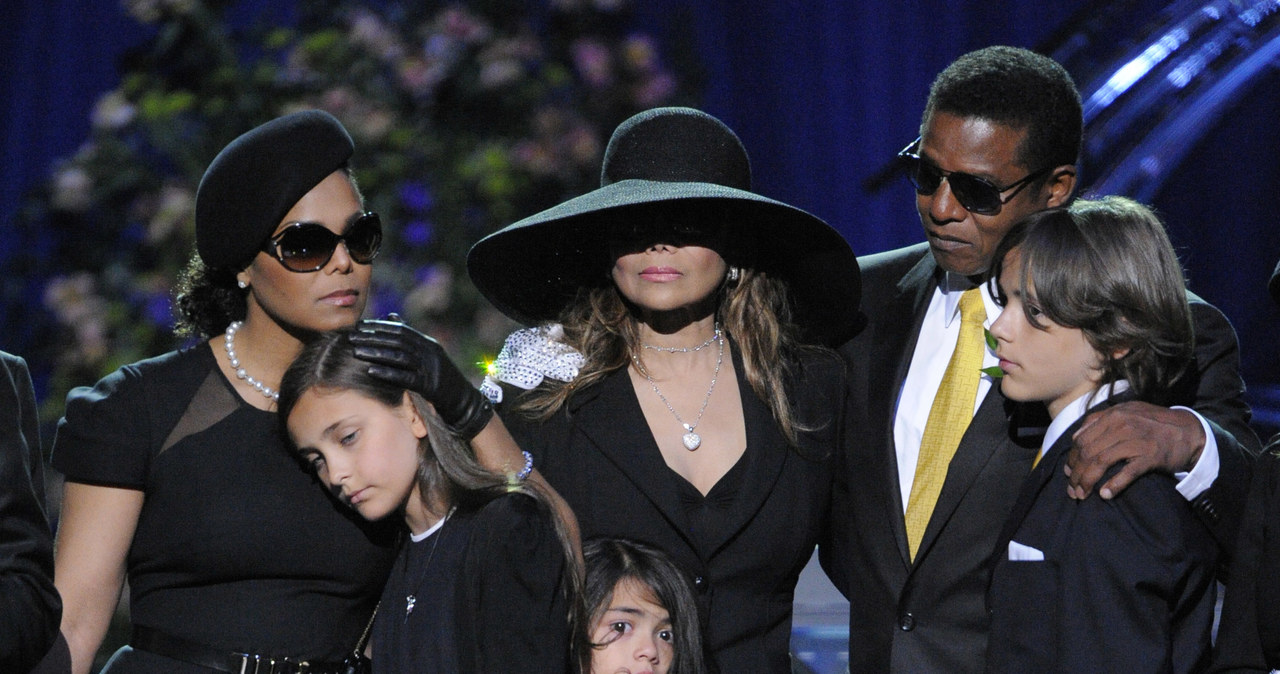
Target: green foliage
{"points": [[466, 116], [994, 371]]}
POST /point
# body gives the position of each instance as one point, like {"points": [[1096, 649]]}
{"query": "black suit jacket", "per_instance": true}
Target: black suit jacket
{"points": [[1125, 585], [930, 615], [1249, 637], [600, 456], [30, 608]]}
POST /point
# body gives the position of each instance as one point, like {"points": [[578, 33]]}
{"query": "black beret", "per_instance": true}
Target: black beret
{"points": [[258, 177]]}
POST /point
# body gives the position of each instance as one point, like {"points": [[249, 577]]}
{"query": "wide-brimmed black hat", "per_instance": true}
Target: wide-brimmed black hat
{"points": [[670, 164], [255, 180]]}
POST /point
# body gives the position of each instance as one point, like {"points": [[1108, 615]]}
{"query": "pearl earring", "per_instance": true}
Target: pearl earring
{"points": [[242, 284]]}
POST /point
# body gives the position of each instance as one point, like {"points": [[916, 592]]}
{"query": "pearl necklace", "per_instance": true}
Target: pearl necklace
{"points": [[691, 439], [230, 344], [684, 349]]}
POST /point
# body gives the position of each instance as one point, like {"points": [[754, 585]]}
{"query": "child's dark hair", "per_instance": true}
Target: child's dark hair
{"points": [[446, 462], [1107, 267], [609, 561]]}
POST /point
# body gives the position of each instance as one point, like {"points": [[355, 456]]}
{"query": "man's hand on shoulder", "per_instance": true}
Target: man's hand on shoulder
{"points": [[1142, 436]]}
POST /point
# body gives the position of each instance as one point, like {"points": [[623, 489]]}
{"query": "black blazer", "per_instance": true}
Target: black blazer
{"points": [[600, 456], [930, 615], [1249, 636], [1125, 585], [30, 608]]}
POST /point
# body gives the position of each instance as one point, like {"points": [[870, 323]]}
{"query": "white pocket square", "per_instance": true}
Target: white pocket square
{"points": [[1024, 553]]}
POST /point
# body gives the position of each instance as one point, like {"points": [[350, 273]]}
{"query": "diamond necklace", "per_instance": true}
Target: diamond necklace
{"points": [[411, 598], [230, 344], [691, 439], [685, 349]]}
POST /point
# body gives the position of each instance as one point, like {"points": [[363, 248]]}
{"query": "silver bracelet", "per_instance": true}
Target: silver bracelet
{"points": [[528, 467]]}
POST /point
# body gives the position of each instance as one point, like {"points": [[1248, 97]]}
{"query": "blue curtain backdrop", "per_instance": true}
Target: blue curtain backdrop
{"points": [[822, 94]]}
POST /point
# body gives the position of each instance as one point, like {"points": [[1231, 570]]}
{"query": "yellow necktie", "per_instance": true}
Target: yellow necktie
{"points": [[948, 418]]}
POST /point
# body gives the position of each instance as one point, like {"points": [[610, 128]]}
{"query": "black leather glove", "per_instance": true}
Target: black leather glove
{"points": [[405, 357]]}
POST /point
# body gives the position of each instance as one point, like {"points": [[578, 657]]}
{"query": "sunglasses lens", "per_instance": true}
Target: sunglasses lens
{"points": [[924, 176], [306, 247], [364, 238], [976, 195]]}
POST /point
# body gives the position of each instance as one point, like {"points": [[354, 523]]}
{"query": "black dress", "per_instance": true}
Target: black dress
{"points": [[743, 545], [237, 546], [487, 596]]}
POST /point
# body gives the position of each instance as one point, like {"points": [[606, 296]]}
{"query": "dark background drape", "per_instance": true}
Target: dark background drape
{"points": [[822, 94]]}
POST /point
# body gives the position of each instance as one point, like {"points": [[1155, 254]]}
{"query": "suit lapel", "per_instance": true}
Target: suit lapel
{"points": [[766, 454], [1041, 474], [987, 432], [891, 352], [611, 419], [1031, 488]]}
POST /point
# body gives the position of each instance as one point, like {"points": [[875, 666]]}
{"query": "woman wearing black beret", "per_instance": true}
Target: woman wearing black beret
{"points": [[177, 479], [682, 397]]}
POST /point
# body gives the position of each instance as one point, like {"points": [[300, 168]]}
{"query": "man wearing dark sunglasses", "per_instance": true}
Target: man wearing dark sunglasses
{"points": [[998, 141]]}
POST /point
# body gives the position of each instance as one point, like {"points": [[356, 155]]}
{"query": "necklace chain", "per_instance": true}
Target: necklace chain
{"points": [[230, 345], [684, 349], [411, 599], [691, 439]]}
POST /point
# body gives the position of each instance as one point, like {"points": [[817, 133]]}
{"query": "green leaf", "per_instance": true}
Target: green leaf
{"points": [[991, 339], [994, 371]]}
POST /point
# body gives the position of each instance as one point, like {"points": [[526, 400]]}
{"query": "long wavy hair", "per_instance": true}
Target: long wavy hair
{"points": [[611, 561], [754, 312], [446, 463]]}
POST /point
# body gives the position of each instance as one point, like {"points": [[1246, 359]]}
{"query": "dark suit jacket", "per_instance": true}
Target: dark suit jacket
{"points": [[1249, 637], [600, 456], [930, 615], [1126, 585], [30, 608]]}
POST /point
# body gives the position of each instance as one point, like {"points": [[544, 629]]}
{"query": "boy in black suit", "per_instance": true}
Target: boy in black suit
{"points": [[1095, 314]]}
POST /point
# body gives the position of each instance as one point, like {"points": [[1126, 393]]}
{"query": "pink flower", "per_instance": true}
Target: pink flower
{"points": [[463, 25], [640, 53], [371, 32], [593, 62], [583, 146], [654, 90], [433, 295]]}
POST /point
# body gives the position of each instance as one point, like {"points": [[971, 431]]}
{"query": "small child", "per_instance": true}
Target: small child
{"points": [[487, 578], [1095, 313], [641, 615]]}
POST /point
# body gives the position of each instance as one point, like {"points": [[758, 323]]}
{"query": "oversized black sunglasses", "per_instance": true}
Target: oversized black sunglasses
{"points": [[308, 246], [977, 195]]}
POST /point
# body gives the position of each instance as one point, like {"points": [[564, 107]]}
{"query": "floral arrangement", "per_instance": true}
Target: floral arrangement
{"points": [[466, 116]]}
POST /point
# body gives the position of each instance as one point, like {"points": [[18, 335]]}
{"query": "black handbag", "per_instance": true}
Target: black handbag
{"points": [[358, 662]]}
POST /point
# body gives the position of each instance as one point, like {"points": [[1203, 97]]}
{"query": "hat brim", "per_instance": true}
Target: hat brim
{"points": [[532, 269]]}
